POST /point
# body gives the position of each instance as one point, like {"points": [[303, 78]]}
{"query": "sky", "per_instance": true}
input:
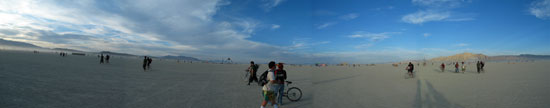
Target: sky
{"points": [[290, 31]]}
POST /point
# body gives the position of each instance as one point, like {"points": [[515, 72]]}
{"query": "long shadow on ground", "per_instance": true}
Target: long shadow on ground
{"points": [[432, 98]]}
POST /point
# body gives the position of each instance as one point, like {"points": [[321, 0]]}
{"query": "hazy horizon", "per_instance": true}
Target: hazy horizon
{"points": [[291, 31]]}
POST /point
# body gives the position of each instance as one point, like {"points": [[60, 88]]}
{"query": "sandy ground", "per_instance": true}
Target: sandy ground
{"points": [[502, 85], [47, 80]]}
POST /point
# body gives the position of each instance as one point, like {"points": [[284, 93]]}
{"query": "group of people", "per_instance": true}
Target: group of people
{"points": [[104, 59], [62, 54], [480, 65], [147, 63], [274, 86]]}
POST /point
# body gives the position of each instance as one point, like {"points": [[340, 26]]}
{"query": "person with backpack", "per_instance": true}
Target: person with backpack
{"points": [[280, 76], [253, 68], [269, 86]]}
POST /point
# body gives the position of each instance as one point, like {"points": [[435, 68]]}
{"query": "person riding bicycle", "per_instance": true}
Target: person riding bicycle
{"points": [[252, 69], [269, 88], [280, 76]]}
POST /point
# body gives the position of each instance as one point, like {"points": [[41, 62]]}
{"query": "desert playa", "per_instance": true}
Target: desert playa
{"points": [[502, 85], [47, 80]]}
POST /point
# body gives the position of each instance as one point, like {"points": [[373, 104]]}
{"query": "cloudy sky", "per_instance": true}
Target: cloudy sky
{"points": [[293, 31]]}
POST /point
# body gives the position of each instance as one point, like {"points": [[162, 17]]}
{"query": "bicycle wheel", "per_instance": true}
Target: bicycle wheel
{"points": [[294, 94]]}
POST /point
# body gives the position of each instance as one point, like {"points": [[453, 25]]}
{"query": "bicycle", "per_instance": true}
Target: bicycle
{"points": [[246, 75], [293, 93]]}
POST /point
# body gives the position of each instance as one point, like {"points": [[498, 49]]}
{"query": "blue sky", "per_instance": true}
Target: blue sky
{"points": [[293, 31]]}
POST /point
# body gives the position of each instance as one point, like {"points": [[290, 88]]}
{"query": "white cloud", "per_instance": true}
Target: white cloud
{"points": [[275, 26], [269, 4], [426, 34], [143, 27], [373, 37], [439, 3], [349, 16], [540, 8], [325, 25], [436, 10], [461, 45], [304, 43], [420, 17]]}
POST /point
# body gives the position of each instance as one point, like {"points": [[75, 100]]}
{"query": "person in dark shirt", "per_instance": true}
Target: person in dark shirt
{"points": [[410, 69], [280, 76], [145, 60], [252, 69]]}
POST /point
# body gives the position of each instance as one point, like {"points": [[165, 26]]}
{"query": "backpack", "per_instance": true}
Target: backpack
{"points": [[263, 78]]}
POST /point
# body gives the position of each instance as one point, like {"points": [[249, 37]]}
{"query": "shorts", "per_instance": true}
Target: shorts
{"points": [[268, 95]]}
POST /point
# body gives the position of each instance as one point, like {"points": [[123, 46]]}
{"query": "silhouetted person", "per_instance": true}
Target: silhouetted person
{"points": [[410, 69], [442, 67], [149, 60], [107, 59], [145, 63], [101, 60], [478, 65]]}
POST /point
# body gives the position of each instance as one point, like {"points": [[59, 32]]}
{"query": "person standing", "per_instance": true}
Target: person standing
{"points": [[107, 59], [269, 87], [280, 77], [410, 69], [101, 60], [478, 65], [149, 60], [252, 69], [145, 63], [442, 67]]}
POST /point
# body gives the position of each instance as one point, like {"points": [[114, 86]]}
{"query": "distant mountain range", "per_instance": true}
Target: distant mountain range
{"points": [[67, 49], [28, 45], [462, 57], [476, 57], [180, 58], [17, 44]]}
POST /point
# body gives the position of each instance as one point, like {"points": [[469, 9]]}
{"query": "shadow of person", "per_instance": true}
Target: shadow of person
{"points": [[432, 98]]}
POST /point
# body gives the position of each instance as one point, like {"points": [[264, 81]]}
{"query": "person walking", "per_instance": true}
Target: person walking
{"points": [[107, 59], [269, 87], [463, 67], [149, 60], [253, 68], [442, 67], [145, 63], [280, 76], [478, 65], [101, 60], [410, 69]]}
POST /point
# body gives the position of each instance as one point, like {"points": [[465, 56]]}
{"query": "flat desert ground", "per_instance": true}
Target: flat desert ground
{"points": [[49, 81], [502, 85], [46, 80]]}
